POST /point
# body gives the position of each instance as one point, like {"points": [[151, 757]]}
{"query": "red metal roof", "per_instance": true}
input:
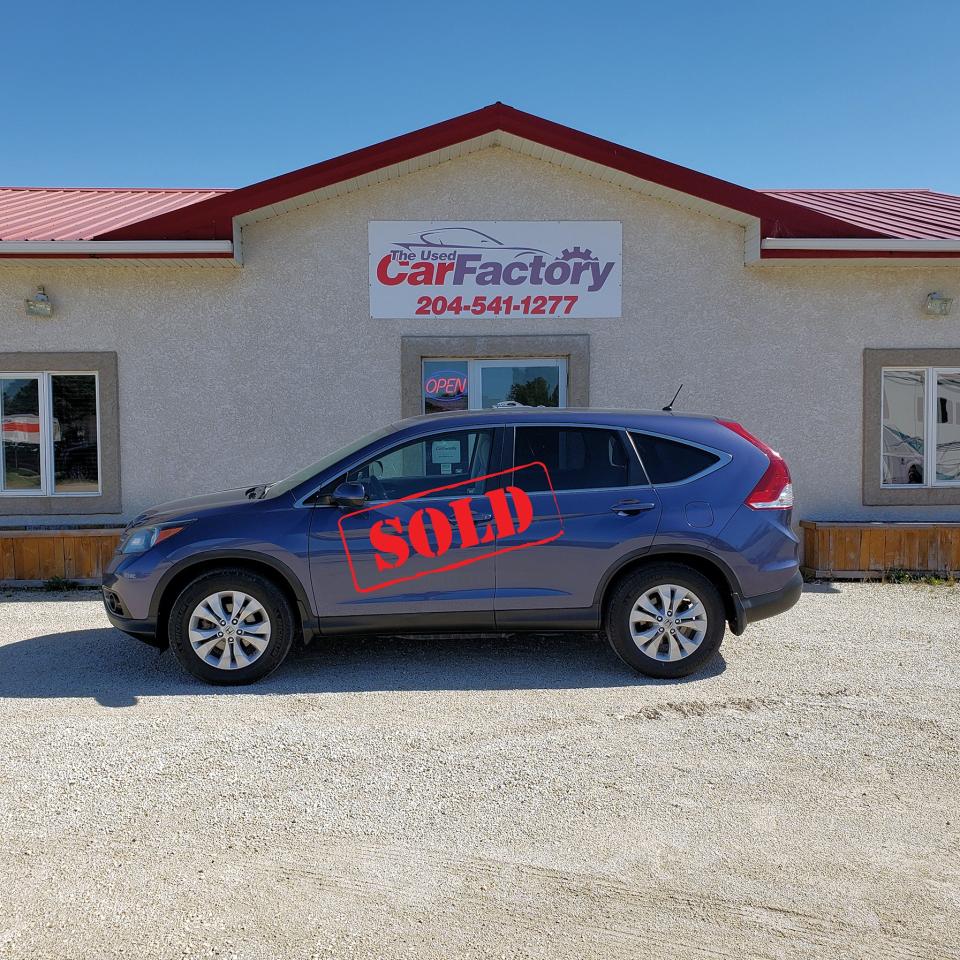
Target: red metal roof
{"points": [[38, 213], [903, 214], [213, 219], [158, 214]]}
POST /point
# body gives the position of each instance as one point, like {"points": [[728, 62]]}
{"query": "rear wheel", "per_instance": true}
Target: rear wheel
{"points": [[666, 620], [231, 627]]}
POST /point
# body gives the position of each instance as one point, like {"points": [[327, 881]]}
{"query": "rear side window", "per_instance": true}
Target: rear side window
{"points": [[670, 461], [577, 458]]}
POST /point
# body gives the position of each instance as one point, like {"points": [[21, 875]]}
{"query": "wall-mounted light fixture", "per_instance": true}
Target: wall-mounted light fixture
{"points": [[40, 306], [937, 305]]}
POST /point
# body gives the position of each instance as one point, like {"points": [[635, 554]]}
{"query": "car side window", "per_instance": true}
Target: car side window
{"points": [[576, 458], [670, 461], [427, 462]]}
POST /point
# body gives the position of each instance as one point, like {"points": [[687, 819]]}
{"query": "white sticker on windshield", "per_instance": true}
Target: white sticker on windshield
{"points": [[446, 451]]}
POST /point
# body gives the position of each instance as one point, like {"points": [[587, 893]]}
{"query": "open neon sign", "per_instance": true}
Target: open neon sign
{"points": [[445, 384]]}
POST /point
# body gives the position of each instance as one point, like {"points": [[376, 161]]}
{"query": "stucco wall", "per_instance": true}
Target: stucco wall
{"points": [[230, 377]]}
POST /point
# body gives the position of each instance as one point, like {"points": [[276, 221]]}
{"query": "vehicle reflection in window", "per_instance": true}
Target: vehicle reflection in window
{"points": [[903, 441], [520, 386], [948, 426], [20, 409]]}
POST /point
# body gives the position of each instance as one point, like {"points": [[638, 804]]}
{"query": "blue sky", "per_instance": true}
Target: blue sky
{"points": [[805, 93]]}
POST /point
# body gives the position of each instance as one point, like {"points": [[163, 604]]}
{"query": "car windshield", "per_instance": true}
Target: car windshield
{"points": [[295, 479]]}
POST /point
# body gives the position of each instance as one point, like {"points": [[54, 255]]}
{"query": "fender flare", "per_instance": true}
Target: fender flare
{"points": [[208, 557], [737, 615]]}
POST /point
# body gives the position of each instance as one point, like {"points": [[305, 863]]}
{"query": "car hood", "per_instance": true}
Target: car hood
{"points": [[191, 506]]}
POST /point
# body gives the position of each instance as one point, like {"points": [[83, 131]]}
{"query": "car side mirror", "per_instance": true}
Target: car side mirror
{"points": [[350, 494]]}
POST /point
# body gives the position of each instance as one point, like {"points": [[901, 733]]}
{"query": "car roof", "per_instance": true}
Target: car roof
{"points": [[519, 415]]}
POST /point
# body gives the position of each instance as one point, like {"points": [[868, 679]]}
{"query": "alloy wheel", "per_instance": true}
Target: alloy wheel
{"points": [[229, 630], [668, 622]]}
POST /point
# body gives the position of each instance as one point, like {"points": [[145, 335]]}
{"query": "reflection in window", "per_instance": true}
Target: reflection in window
{"points": [[74, 400], [49, 440], [20, 410], [903, 440], [948, 426], [537, 386]]}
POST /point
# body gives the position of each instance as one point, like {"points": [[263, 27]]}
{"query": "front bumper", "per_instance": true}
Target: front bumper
{"points": [[751, 609], [145, 630]]}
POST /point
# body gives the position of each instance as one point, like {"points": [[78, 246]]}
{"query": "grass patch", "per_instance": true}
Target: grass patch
{"points": [[60, 585], [896, 575]]}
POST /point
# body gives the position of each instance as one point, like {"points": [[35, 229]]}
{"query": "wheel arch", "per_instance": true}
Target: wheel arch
{"points": [[713, 568], [277, 572]]}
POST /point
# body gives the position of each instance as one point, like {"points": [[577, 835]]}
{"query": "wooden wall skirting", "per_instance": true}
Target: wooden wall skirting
{"points": [[852, 549], [34, 556], [830, 549]]}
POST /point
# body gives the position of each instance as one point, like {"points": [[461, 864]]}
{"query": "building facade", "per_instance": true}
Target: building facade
{"points": [[208, 340]]}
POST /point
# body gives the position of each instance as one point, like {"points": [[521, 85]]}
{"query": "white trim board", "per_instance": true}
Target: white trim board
{"points": [[125, 247], [864, 245]]}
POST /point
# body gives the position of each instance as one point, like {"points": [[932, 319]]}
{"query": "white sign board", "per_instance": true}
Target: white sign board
{"points": [[497, 268]]}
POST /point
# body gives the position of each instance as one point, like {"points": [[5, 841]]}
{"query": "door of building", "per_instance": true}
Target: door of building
{"points": [[459, 384]]}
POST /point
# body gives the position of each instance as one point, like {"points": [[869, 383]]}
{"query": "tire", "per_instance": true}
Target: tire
{"points": [[695, 641], [200, 644]]}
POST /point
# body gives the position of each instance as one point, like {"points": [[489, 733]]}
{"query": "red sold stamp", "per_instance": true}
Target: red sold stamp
{"points": [[400, 540]]}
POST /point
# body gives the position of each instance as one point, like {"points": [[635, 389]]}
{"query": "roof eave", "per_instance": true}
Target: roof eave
{"points": [[888, 251], [128, 251]]}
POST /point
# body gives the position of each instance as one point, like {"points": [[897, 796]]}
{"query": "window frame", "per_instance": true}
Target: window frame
{"points": [[48, 490], [871, 383], [572, 347], [475, 366], [931, 374]]}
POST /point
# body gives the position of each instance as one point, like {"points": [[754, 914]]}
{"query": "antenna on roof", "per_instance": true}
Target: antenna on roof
{"points": [[669, 407]]}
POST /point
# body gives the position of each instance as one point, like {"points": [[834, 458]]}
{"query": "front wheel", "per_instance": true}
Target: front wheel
{"points": [[665, 620], [231, 627]]}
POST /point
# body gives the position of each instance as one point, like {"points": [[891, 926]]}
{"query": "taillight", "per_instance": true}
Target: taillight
{"points": [[774, 491]]}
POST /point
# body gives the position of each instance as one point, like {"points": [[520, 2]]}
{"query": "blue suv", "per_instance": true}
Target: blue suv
{"points": [[658, 529]]}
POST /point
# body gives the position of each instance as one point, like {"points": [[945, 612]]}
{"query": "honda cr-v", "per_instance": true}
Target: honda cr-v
{"points": [[658, 529]]}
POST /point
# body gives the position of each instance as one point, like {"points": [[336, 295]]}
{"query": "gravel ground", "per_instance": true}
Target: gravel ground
{"points": [[487, 798]]}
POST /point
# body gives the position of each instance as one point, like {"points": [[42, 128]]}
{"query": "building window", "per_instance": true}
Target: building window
{"points": [[50, 436], [566, 354], [482, 384], [920, 427]]}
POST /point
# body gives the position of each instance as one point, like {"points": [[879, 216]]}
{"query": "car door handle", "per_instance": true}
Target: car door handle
{"points": [[628, 508], [481, 517]]}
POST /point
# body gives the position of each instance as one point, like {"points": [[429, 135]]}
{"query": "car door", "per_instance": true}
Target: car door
{"points": [[361, 585], [607, 509]]}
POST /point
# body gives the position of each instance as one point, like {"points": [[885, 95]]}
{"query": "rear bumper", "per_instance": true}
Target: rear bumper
{"points": [[751, 609]]}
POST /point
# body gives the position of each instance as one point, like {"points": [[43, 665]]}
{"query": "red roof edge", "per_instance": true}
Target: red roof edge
{"points": [[212, 219]]}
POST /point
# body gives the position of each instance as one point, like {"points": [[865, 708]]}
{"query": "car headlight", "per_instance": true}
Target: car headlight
{"points": [[141, 539]]}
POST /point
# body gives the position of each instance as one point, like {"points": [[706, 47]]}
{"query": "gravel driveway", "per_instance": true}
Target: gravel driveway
{"points": [[488, 798]]}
